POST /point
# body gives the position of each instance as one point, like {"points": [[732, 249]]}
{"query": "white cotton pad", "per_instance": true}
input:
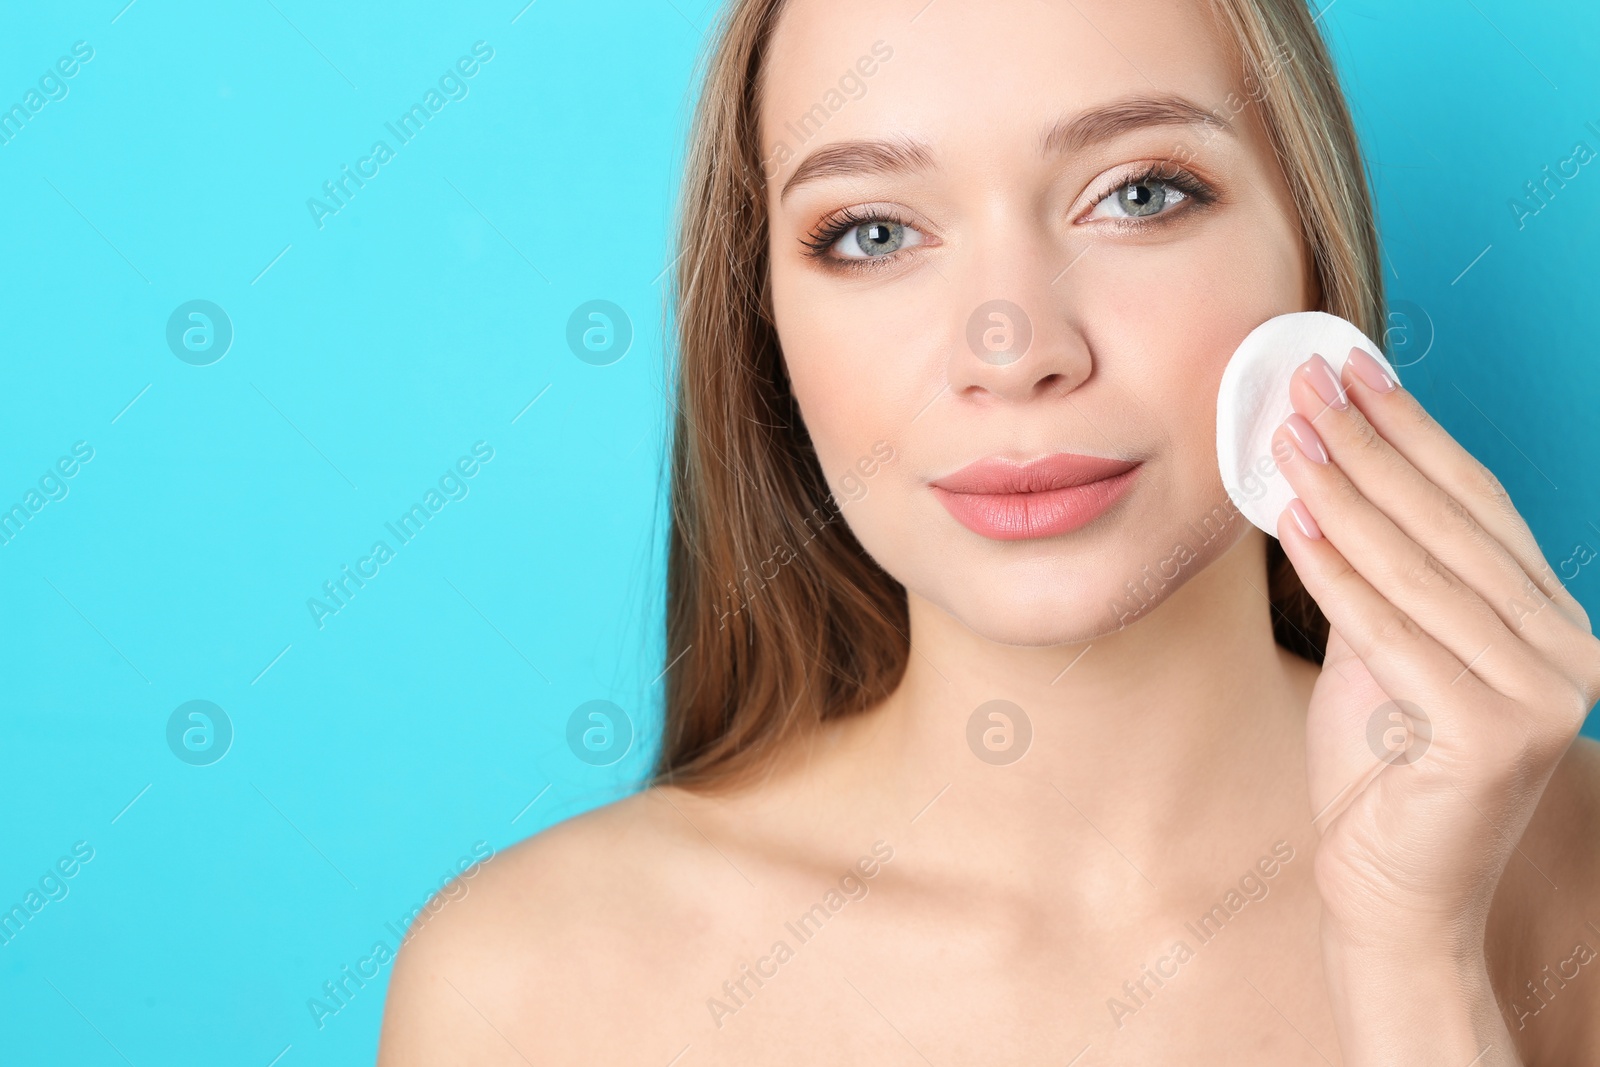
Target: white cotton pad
{"points": [[1254, 401]]}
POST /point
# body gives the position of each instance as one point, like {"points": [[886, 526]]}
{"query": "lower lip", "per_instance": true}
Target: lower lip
{"points": [[1024, 516]]}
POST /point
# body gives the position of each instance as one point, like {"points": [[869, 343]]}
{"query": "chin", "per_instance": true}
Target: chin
{"points": [[1078, 588], [1061, 601], [1029, 621]]}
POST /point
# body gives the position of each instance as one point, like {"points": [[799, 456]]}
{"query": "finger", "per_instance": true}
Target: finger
{"points": [[1407, 426], [1444, 528], [1403, 658], [1407, 663], [1413, 580]]}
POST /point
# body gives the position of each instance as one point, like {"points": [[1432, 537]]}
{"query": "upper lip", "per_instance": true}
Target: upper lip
{"points": [[993, 475]]}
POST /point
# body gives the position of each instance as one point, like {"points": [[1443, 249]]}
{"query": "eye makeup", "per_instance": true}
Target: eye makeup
{"points": [[1153, 178], [823, 239], [1163, 174]]}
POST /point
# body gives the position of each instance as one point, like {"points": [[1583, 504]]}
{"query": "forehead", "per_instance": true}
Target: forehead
{"points": [[980, 70]]}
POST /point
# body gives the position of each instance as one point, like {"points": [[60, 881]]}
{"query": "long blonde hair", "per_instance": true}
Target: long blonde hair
{"points": [[776, 618]]}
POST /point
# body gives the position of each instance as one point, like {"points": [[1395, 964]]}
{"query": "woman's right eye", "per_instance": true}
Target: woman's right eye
{"points": [[864, 238], [871, 240]]}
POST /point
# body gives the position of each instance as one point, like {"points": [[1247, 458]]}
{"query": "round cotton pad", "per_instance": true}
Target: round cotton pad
{"points": [[1254, 401]]}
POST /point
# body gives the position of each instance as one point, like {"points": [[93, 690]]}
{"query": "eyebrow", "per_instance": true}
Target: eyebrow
{"points": [[1094, 126], [1108, 121], [856, 158]]}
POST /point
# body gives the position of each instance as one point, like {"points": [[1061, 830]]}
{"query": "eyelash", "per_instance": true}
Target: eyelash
{"points": [[820, 241], [1178, 178]]}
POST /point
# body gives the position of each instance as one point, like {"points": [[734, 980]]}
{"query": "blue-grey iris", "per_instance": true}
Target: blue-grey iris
{"points": [[1142, 198], [880, 238]]}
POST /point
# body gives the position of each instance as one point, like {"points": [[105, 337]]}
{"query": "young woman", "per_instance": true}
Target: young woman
{"points": [[993, 733]]}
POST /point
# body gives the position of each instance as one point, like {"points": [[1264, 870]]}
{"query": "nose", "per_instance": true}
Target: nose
{"points": [[1017, 331]]}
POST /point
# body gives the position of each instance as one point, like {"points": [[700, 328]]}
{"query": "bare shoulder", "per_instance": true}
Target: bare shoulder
{"points": [[1544, 942], [510, 970]]}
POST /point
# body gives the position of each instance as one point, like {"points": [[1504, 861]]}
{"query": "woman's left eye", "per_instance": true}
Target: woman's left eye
{"points": [[1139, 199]]}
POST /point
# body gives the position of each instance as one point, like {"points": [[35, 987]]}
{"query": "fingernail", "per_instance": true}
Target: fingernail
{"points": [[1325, 382], [1302, 518], [1371, 371], [1306, 438]]}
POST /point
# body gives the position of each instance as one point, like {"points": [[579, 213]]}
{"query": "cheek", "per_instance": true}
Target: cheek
{"points": [[861, 364], [1164, 324]]}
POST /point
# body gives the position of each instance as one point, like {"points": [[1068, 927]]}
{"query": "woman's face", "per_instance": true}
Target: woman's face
{"points": [[1007, 230]]}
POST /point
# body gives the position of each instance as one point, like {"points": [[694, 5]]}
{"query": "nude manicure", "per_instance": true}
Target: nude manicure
{"points": [[1302, 518], [1325, 382], [1371, 371], [1306, 438]]}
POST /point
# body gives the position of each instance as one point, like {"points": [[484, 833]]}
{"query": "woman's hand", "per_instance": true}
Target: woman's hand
{"points": [[1457, 673]]}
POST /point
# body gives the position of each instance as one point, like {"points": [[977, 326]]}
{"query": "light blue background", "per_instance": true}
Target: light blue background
{"points": [[426, 315]]}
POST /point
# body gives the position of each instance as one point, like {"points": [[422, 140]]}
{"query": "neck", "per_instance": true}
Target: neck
{"points": [[1175, 736]]}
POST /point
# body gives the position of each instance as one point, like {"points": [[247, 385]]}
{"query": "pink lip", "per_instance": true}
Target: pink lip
{"points": [[1047, 497]]}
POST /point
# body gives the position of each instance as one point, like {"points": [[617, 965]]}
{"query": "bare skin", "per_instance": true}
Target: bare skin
{"points": [[1031, 912]]}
